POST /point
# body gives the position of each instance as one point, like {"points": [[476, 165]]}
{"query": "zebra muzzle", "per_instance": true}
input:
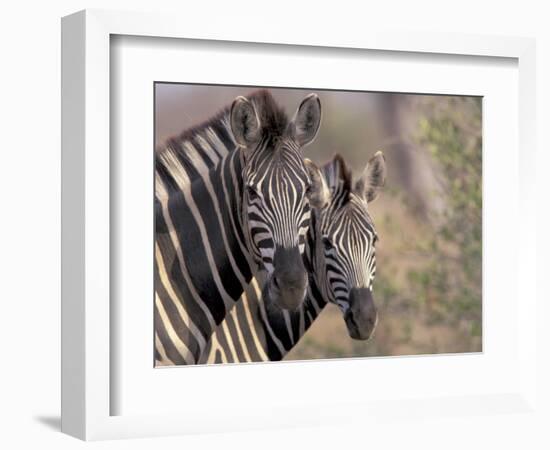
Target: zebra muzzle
{"points": [[286, 287], [362, 316]]}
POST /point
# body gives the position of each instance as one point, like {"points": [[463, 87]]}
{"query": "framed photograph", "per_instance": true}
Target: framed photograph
{"points": [[355, 258], [282, 225]]}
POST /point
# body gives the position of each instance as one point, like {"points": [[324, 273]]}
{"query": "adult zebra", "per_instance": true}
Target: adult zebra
{"points": [[340, 254], [217, 226]]}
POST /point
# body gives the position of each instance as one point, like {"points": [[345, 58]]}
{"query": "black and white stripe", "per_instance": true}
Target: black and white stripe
{"points": [[278, 209], [340, 253], [212, 233]]}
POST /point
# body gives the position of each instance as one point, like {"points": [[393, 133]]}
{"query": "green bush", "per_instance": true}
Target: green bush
{"points": [[450, 283]]}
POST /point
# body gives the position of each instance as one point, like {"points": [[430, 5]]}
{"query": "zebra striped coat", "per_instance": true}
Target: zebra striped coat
{"points": [[256, 331], [222, 214]]}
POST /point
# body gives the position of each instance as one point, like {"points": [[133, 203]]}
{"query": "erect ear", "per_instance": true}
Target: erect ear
{"points": [[307, 119], [245, 123], [319, 193], [337, 175], [373, 178]]}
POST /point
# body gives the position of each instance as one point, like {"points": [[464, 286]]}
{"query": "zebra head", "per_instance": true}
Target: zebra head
{"points": [[279, 188], [347, 244]]}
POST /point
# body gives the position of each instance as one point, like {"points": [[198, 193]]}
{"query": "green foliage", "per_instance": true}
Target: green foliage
{"points": [[449, 283]]}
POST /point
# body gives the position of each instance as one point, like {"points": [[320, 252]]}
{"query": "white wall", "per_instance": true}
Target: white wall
{"points": [[30, 186]]}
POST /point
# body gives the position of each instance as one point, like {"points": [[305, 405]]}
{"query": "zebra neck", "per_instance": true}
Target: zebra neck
{"points": [[219, 199], [202, 263]]}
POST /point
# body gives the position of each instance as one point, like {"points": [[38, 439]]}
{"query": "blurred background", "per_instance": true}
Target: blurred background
{"points": [[428, 282]]}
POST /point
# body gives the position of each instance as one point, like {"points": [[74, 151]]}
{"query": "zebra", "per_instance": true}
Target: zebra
{"points": [[341, 258], [232, 199]]}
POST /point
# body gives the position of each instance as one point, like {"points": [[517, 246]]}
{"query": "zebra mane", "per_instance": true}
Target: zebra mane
{"points": [[338, 178], [189, 146], [272, 117]]}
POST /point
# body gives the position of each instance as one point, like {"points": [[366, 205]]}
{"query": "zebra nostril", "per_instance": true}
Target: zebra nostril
{"points": [[276, 282], [351, 320]]}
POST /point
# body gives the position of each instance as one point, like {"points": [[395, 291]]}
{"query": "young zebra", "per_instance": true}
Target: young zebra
{"points": [[217, 226], [340, 254]]}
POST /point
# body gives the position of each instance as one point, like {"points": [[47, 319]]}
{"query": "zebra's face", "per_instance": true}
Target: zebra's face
{"points": [[279, 189], [348, 241]]}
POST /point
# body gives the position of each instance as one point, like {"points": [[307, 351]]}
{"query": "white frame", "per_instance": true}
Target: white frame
{"points": [[85, 203]]}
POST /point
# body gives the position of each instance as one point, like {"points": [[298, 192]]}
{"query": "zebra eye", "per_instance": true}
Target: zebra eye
{"points": [[252, 193], [326, 243]]}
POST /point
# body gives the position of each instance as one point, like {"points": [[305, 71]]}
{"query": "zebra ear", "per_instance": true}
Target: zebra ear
{"points": [[245, 123], [319, 193], [373, 178], [337, 174], [307, 119]]}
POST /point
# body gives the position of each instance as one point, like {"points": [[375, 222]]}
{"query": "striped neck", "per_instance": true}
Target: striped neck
{"points": [[202, 262]]}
